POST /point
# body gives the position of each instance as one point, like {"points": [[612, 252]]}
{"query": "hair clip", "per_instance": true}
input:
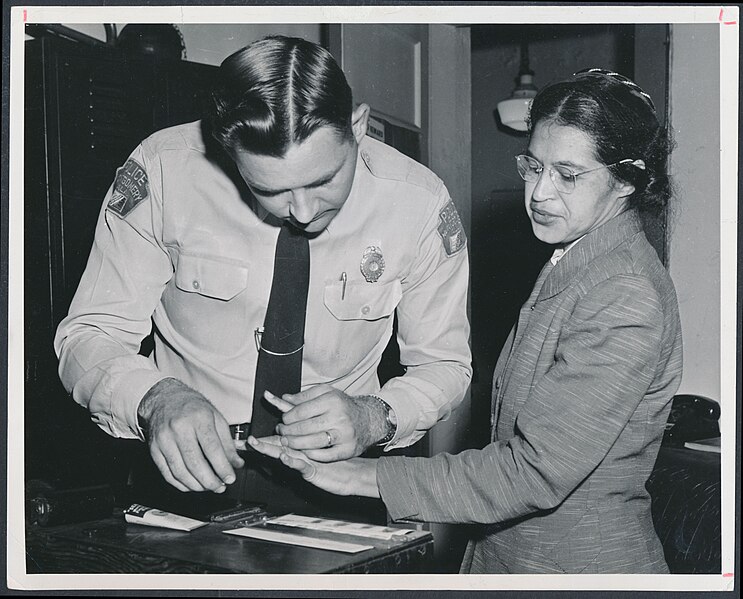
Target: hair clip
{"points": [[637, 163], [622, 79]]}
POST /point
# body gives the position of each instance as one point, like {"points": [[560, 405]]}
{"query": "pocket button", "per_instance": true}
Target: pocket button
{"points": [[365, 310], [196, 285]]}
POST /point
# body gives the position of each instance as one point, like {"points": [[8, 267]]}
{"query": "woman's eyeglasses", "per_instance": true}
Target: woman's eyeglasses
{"points": [[562, 177]]}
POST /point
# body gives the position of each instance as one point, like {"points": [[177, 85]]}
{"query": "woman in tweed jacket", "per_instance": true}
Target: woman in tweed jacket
{"points": [[583, 386]]}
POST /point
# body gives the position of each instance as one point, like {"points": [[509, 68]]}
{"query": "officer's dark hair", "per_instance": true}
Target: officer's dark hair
{"points": [[277, 92], [621, 120]]}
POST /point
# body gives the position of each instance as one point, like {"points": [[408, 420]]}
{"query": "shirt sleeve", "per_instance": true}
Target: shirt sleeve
{"points": [[433, 329], [110, 314], [604, 364]]}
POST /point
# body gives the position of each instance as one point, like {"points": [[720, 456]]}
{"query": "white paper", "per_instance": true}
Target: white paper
{"points": [[358, 529], [292, 539]]}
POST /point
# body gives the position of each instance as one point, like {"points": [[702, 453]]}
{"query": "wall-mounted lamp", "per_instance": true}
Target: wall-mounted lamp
{"points": [[514, 111]]}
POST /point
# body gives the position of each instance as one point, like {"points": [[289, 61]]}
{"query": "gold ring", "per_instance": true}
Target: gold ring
{"points": [[330, 439]]}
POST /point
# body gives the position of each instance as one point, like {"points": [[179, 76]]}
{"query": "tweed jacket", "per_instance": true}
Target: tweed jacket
{"points": [[581, 394]]}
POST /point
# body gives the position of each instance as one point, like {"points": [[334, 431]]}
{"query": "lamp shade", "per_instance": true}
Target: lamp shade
{"points": [[514, 111]]}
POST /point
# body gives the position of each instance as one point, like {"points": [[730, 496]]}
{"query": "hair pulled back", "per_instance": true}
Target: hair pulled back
{"points": [[621, 120]]}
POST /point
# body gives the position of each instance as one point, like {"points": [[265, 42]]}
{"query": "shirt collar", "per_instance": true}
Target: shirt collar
{"points": [[560, 252]]}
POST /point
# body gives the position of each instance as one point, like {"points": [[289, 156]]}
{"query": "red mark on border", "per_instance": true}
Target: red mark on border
{"points": [[25, 15], [728, 575], [722, 10]]}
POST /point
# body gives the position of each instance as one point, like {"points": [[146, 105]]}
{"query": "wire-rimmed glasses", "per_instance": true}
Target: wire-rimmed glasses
{"points": [[562, 177]]}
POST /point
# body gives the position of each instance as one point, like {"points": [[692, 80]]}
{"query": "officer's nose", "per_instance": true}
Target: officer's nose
{"points": [[303, 206]]}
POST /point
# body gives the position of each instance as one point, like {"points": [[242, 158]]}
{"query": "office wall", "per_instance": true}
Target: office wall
{"points": [[212, 43], [695, 226]]}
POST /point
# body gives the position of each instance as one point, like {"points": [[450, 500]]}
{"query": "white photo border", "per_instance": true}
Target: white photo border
{"points": [[728, 19]]}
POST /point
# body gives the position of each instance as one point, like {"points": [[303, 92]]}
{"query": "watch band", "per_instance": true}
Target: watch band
{"points": [[391, 426]]}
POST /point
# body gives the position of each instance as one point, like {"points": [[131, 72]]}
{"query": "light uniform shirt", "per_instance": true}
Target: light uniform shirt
{"points": [[178, 245]]}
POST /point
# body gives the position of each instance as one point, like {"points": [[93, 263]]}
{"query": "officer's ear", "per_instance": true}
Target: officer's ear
{"points": [[359, 120]]}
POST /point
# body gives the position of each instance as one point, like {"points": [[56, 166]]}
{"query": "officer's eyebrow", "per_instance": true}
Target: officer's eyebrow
{"points": [[275, 192]]}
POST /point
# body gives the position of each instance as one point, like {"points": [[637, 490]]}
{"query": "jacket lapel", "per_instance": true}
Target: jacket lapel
{"points": [[600, 241]]}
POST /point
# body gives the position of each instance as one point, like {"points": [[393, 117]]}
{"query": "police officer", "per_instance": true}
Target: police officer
{"points": [[184, 247]]}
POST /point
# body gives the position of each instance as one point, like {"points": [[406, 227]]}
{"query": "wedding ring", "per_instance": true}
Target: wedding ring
{"points": [[330, 439]]}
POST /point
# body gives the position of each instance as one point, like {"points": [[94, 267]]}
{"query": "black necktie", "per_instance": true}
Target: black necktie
{"points": [[279, 368]]}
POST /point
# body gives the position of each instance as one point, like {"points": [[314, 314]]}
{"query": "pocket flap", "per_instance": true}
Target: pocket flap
{"points": [[210, 277], [362, 300]]}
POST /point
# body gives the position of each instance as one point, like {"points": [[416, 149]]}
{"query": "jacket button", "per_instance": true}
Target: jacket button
{"points": [[365, 310], [498, 382], [196, 285]]}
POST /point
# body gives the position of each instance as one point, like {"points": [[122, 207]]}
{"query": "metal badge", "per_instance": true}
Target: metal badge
{"points": [[372, 264]]}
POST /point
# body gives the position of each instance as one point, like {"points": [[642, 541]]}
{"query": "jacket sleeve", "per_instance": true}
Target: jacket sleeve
{"points": [[604, 363], [110, 314], [433, 329]]}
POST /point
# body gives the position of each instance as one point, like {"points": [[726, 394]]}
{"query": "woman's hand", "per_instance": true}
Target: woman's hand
{"points": [[357, 476]]}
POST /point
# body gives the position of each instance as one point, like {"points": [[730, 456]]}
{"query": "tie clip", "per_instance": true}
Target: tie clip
{"points": [[258, 334]]}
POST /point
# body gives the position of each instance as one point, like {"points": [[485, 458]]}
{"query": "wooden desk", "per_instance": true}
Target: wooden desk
{"points": [[114, 546]]}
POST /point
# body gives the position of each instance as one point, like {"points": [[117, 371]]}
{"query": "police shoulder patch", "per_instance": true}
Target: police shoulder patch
{"points": [[131, 188], [451, 230]]}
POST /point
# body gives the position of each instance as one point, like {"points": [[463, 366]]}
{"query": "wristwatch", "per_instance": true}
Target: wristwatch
{"points": [[390, 422]]}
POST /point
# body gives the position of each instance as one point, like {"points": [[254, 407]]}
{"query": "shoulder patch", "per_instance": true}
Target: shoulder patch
{"points": [[451, 230], [131, 188]]}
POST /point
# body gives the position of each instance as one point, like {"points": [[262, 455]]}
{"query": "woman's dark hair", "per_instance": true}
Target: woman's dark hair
{"points": [[277, 92], [621, 120]]}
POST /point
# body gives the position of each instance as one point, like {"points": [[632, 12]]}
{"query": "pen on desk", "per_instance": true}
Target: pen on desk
{"points": [[243, 513], [344, 280], [257, 518]]}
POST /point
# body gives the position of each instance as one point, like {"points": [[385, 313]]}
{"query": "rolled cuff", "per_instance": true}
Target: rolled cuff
{"points": [[125, 399]]}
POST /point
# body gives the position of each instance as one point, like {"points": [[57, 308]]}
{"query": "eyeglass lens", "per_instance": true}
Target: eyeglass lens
{"points": [[530, 170]]}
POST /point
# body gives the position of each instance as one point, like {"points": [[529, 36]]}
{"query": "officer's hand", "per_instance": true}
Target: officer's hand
{"points": [[327, 424], [351, 477], [189, 439]]}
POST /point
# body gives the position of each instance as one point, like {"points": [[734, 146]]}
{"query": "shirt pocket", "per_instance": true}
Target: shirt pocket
{"points": [[361, 300], [205, 307], [347, 340], [209, 277]]}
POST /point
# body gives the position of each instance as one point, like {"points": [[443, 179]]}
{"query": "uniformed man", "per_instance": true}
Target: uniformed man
{"points": [[185, 247]]}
